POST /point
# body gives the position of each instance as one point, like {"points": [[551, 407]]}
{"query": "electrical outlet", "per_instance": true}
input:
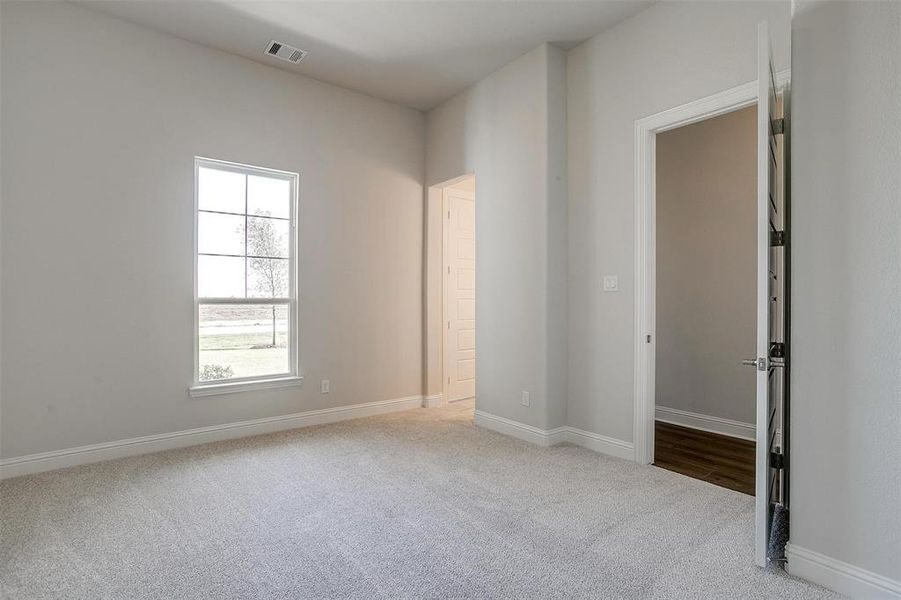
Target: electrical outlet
{"points": [[611, 283], [324, 386], [525, 401]]}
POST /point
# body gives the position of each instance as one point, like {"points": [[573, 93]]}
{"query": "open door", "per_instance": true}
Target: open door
{"points": [[459, 295], [772, 297]]}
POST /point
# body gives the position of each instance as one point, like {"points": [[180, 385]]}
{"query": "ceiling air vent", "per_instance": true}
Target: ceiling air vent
{"points": [[285, 52]]}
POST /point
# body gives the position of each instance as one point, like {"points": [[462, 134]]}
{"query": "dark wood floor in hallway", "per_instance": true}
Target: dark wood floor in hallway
{"points": [[718, 459]]}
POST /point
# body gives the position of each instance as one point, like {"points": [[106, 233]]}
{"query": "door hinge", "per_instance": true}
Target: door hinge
{"points": [[778, 126], [777, 460], [777, 350], [778, 238], [648, 338]]}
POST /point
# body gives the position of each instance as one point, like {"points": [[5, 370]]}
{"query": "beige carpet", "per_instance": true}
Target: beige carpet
{"points": [[420, 504]]}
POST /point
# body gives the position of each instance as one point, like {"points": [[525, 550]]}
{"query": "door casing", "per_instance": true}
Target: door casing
{"points": [[646, 131]]}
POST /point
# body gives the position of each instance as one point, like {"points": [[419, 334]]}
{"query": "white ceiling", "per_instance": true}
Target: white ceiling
{"points": [[415, 53]]}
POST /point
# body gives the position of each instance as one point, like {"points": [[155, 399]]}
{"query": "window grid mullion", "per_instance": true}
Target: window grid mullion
{"points": [[243, 256], [243, 301], [233, 214], [246, 208]]}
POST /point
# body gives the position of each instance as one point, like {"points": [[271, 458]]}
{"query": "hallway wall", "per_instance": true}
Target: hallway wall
{"points": [[509, 129]]}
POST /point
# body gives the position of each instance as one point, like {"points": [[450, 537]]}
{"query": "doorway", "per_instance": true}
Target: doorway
{"points": [[706, 317], [770, 362], [459, 290]]}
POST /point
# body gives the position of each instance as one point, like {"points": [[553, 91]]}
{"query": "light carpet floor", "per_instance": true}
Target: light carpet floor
{"points": [[419, 504]]}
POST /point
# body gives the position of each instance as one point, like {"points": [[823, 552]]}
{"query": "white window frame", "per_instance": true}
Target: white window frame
{"points": [[244, 384]]}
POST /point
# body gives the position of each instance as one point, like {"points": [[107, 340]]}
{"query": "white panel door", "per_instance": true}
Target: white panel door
{"points": [[460, 295], [770, 289]]}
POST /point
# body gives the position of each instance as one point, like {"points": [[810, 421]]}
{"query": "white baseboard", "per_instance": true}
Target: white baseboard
{"points": [[559, 435], [527, 433], [839, 576], [433, 401], [745, 431], [58, 459], [600, 443]]}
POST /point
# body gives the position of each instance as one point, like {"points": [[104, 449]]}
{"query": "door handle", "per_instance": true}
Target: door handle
{"points": [[761, 364]]}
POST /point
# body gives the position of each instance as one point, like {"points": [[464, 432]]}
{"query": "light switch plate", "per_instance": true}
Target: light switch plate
{"points": [[324, 386], [611, 283]]}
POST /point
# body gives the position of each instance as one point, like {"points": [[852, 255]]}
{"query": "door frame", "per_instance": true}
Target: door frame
{"points": [[445, 265], [645, 273]]}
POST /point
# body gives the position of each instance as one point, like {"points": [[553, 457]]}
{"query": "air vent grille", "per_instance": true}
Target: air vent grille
{"points": [[285, 52]]}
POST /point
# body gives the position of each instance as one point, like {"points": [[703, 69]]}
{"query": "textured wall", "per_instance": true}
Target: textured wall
{"points": [[846, 327]]}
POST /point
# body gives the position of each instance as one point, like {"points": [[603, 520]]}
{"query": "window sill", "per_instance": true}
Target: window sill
{"points": [[216, 389]]}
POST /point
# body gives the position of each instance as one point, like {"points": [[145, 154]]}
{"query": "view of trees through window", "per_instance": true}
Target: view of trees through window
{"points": [[243, 255]]}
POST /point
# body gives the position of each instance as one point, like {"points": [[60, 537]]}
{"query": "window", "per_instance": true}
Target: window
{"points": [[245, 280]]}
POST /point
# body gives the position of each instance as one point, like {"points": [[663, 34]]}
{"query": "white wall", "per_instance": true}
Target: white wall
{"points": [[557, 214], [102, 120], [846, 250], [1, 226], [508, 130], [706, 309], [670, 54]]}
